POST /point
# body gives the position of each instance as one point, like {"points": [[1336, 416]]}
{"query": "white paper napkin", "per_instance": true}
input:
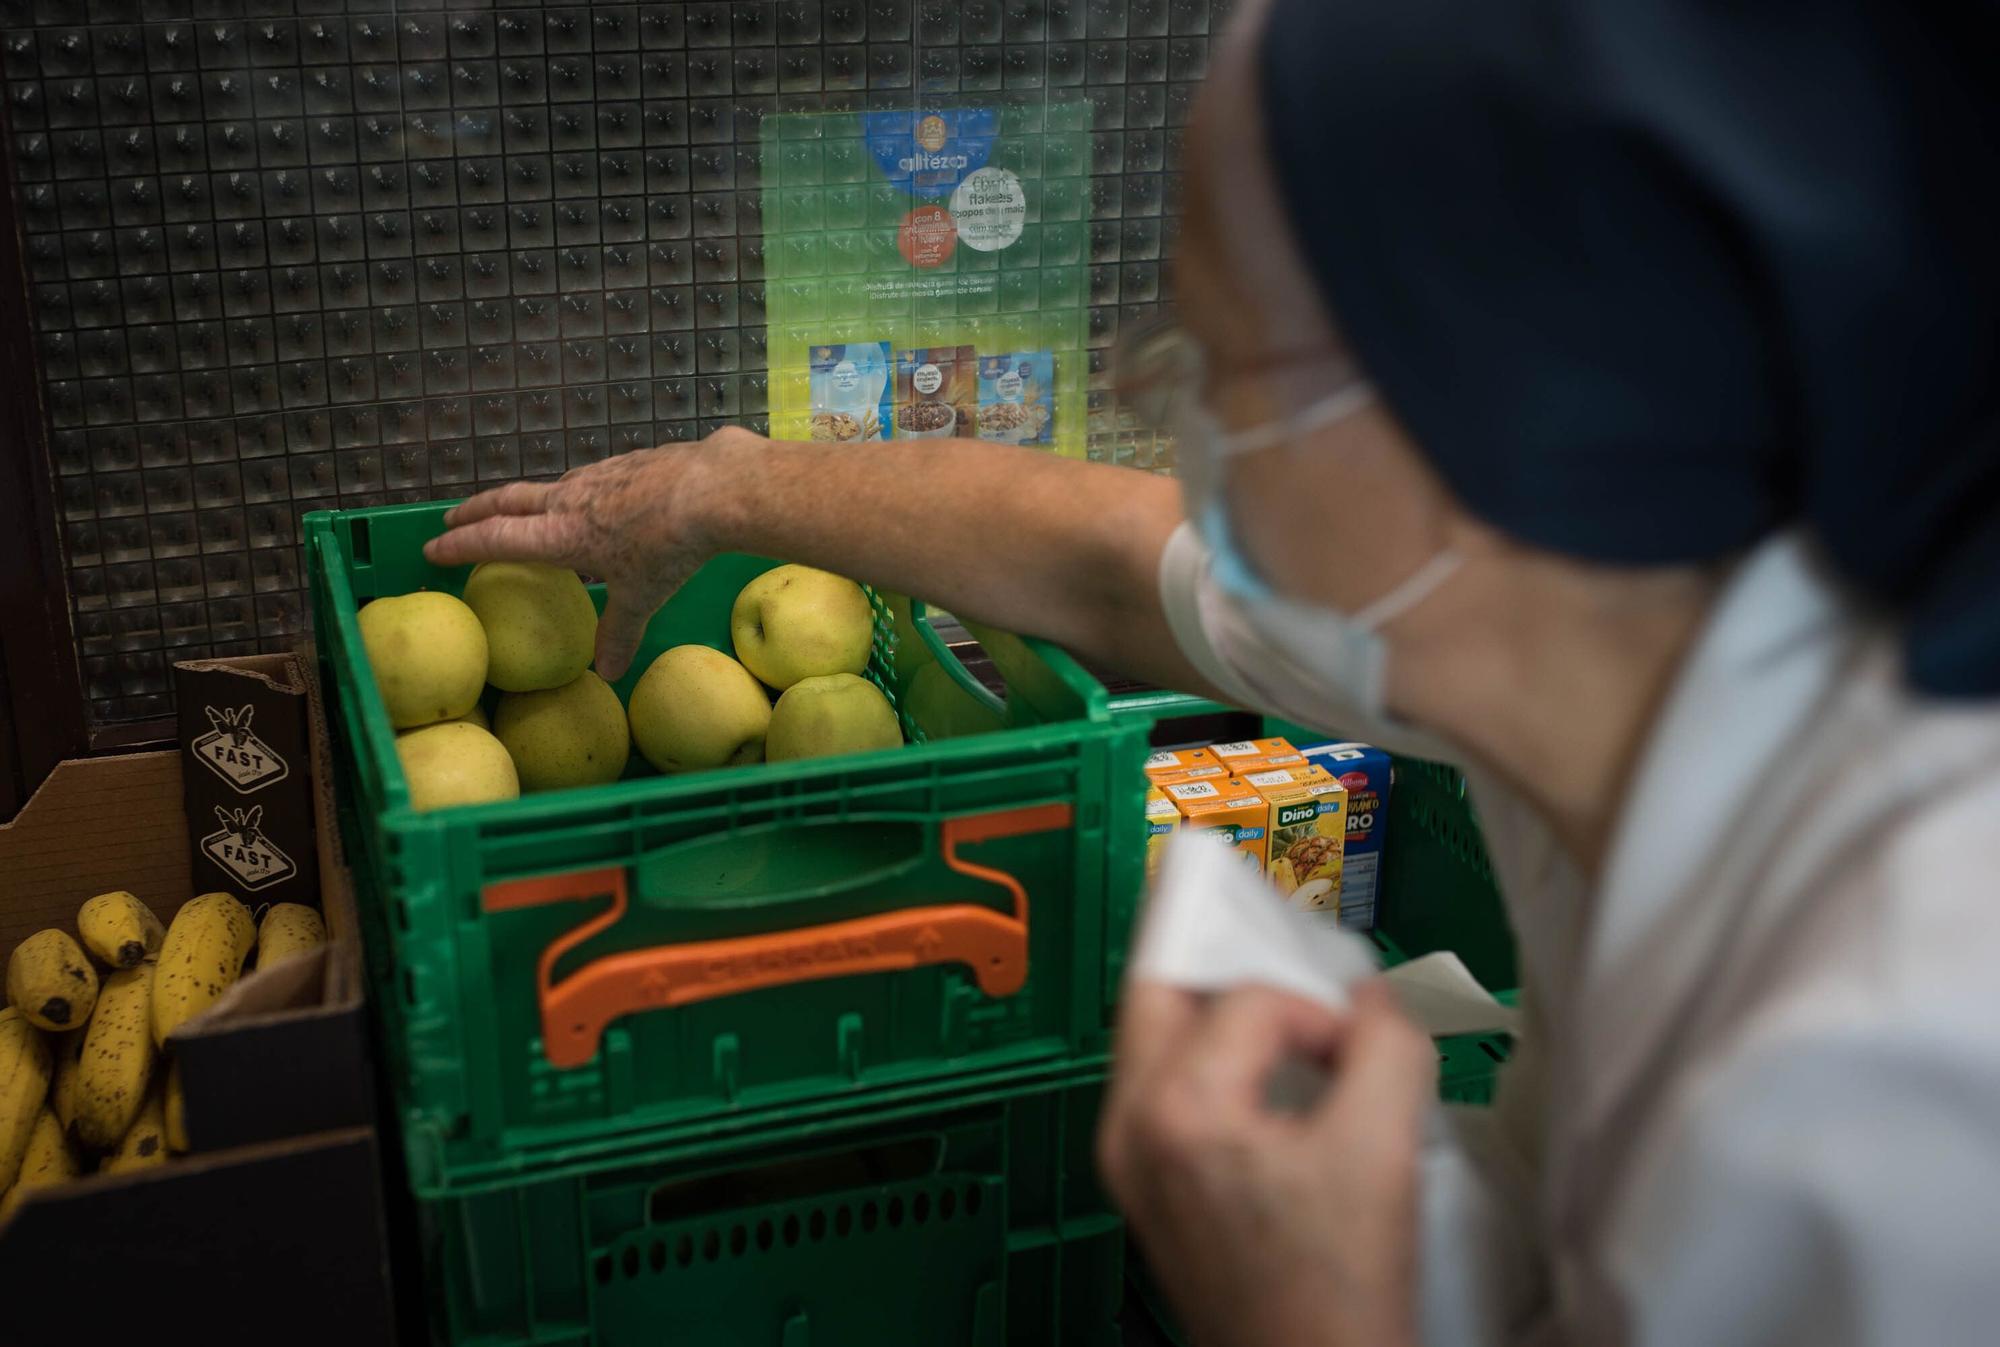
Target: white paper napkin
{"points": [[1213, 923]]}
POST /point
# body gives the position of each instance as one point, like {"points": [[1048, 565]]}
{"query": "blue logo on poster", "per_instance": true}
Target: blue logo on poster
{"points": [[927, 154]]}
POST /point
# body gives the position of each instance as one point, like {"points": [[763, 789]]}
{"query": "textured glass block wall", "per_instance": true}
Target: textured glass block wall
{"points": [[293, 254]]}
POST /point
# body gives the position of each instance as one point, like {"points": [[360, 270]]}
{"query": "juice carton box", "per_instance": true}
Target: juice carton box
{"points": [[1306, 817], [1227, 808], [1247, 755], [1162, 817], [1168, 762], [1366, 772], [1215, 772]]}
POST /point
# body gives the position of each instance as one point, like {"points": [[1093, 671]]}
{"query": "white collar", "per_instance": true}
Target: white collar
{"points": [[1773, 648]]}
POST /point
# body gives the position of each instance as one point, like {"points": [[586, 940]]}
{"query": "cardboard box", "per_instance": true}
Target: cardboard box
{"points": [[1248, 755], [1306, 820], [1231, 810], [249, 785], [1215, 772], [1369, 774], [1169, 761], [283, 1197]]}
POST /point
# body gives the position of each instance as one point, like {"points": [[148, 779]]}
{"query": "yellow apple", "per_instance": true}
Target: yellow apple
{"points": [[696, 708], [574, 735], [794, 622], [540, 623], [833, 713], [428, 652], [455, 763]]}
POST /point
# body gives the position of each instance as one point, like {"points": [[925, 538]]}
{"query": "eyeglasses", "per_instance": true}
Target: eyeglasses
{"points": [[1156, 365]]}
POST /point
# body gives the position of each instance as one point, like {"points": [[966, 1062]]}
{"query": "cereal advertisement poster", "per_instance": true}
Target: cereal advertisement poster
{"points": [[1016, 394], [850, 391]]}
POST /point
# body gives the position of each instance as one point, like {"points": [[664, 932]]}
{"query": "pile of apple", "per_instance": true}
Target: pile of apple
{"points": [[529, 631]]}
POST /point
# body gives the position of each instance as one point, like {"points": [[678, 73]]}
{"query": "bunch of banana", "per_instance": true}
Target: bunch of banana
{"points": [[84, 1077]]}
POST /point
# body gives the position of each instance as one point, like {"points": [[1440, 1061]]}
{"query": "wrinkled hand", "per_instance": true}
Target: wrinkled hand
{"points": [[628, 521], [1272, 1228]]}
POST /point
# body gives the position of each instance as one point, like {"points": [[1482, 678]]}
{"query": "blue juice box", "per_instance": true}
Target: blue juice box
{"points": [[1366, 772]]}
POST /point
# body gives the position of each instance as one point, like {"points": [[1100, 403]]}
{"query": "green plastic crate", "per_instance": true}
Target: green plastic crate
{"points": [[770, 850], [978, 1226]]}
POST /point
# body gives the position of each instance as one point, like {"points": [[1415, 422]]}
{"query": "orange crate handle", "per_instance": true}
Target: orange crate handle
{"points": [[576, 1010]]}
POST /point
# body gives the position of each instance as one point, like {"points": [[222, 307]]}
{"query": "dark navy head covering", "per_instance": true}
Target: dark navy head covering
{"points": [[1650, 279]]}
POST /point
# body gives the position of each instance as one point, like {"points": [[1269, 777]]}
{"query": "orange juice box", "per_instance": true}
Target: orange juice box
{"points": [[1172, 760], [1306, 819], [1214, 771], [1228, 808], [1247, 755], [1162, 817]]}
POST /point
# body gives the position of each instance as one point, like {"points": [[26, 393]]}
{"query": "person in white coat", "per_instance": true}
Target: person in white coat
{"points": [[1598, 396]]}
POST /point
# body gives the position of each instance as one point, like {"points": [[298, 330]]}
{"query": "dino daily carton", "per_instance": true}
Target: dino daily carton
{"points": [[1366, 772], [1227, 808], [1162, 818], [1306, 820]]}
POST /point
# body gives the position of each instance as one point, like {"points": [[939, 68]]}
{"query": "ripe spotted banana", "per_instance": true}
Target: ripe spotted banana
{"points": [[119, 929], [67, 1051], [51, 981], [288, 929], [117, 1063], [24, 1085], [174, 1109], [48, 1162], [200, 959], [145, 1142]]}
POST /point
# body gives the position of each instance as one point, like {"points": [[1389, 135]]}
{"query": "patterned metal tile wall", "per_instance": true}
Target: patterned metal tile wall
{"points": [[293, 254]]}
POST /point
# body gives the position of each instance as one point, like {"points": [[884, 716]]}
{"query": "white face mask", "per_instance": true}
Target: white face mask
{"points": [[1334, 662]]}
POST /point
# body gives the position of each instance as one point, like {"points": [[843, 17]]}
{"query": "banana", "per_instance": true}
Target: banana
{"points": [[174, 1109], [145, 1143], [117, 1063], [66, 1051], [119, 929], [24, 1085], [288, 929], [200, 959], [49, 1161], [51, 981]]}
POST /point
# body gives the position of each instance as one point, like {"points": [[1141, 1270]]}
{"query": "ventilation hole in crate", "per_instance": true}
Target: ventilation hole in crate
{"points": [[656, 1257], [973, 1197], [684, 1250], [765, 1235], [947, 1205], [920, 1208], [788, 1182], [739, 1240], [409, 986], [359, 546], [843, 1222], [791, 1231], [816, 1226], [1495, 1053], [869, 1217], [630, 1262], [894, 1212], [402, 915], [711, 1246], [603, 1269]]}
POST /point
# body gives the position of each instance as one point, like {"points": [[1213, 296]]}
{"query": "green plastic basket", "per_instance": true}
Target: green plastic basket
{"points": [[980, 1225], [873, 891]]}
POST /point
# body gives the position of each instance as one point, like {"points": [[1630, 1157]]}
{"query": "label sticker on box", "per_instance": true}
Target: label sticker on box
{"points": [[241, 848], [234, 753]]}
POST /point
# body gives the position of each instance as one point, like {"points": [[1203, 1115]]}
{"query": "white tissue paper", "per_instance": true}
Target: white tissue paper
{"points": [[1213, 923]]}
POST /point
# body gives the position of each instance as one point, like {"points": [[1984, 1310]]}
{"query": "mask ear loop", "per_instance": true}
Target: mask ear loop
{"points": [[1325, 412], [1410, 592]]}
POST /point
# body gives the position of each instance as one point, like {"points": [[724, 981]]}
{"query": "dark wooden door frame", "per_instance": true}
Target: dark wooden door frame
{"points": [[41, 683]]}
